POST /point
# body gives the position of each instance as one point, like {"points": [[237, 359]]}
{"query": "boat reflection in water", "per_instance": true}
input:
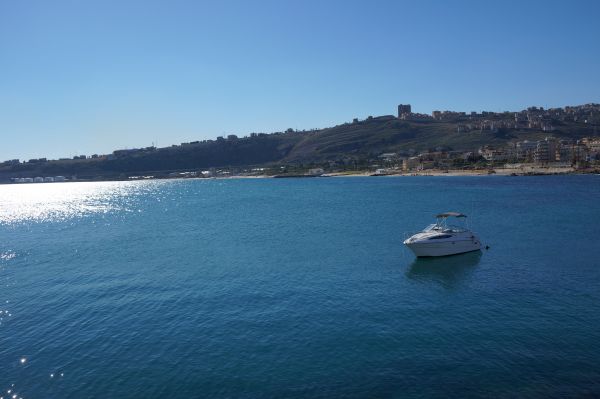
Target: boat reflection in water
{"points": [[448, 271]]}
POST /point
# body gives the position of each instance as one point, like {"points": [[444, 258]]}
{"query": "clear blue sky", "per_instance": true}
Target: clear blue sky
{"points": [[83, 77]]}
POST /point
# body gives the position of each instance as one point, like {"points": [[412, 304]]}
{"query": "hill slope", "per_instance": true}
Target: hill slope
{"points": [[360, 140]]}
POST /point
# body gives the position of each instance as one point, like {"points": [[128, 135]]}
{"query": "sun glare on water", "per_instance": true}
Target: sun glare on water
{"points": [[59, 201]]}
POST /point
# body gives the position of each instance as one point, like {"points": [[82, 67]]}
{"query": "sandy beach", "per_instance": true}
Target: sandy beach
{"points": [[520, 170]]}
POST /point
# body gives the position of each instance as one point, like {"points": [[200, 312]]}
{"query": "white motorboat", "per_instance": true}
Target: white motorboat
{"points": [[441, 239]]}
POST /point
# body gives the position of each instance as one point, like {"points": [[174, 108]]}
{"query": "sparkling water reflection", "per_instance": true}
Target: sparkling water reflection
{"points": [[59, 201]]}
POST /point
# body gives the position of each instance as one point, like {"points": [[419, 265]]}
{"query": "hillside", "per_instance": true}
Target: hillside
{"points": [[389, 134], [360, 141]]}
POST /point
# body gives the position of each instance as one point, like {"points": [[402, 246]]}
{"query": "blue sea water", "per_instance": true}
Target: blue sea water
{"points": [[298, 288]]}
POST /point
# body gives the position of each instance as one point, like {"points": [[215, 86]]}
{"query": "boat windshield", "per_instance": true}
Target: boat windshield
{"points": [[442, 227], [453, 229], [431, 227]]}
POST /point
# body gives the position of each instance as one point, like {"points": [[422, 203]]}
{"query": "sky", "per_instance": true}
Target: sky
{"points": [[85, 77]]}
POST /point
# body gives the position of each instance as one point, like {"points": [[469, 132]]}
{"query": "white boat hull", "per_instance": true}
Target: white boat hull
{"points": [[440, 239], [450, 247]]}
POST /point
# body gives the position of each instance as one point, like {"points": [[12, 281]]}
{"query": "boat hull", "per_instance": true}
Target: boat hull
{"points": [[424, 249]]}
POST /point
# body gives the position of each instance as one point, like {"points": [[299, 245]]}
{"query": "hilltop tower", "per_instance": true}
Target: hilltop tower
{"points": [[404, 111]]}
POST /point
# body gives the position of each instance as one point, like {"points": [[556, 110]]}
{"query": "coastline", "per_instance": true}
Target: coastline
{"points": [[519, 171], [515, 172]]}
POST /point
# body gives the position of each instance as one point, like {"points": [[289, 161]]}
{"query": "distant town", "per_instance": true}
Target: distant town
{"points": [[531, 141], [550, 151]]}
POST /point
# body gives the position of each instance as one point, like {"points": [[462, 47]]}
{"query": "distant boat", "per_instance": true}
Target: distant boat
{"points": [[441, 239]]}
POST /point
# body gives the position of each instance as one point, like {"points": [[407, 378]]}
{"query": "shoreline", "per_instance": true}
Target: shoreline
{"points": [[521, 171], [513, 172]]}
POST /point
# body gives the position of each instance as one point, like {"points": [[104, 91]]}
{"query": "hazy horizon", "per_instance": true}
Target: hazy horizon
{"points": [[84, 78]]}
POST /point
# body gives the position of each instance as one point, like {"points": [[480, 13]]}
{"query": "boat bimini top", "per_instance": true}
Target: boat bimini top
{"points": [[448, 214], [442, 226]]}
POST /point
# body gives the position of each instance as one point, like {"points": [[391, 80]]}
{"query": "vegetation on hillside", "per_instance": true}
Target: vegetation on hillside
{"points": [[355, 143]]}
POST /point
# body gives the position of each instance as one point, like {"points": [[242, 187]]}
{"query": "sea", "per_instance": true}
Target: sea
{"points": [[298, 288]]}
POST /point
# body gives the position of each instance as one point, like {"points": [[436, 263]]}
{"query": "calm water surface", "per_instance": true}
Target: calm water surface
{"points": [[298, 288]]}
